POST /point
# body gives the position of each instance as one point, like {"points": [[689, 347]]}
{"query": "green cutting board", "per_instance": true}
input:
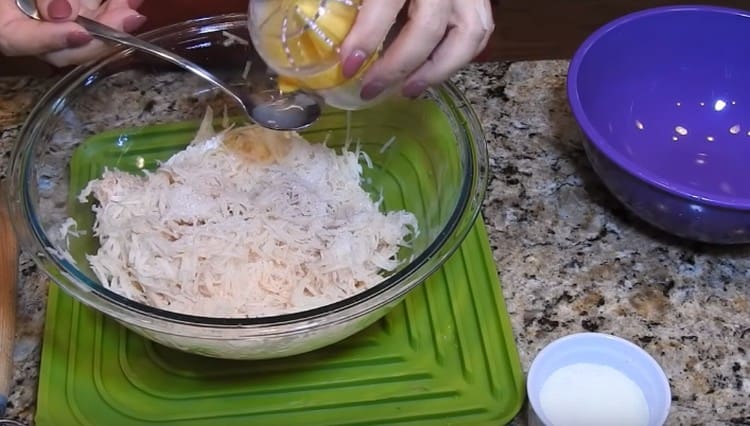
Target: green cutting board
{"points": [[445, 356]]}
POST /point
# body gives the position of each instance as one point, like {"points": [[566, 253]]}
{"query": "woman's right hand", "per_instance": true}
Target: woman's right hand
{"points": [[58, 40], [439, 37]]}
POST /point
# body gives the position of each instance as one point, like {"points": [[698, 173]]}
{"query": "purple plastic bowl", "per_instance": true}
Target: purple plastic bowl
{"points": [[663, 98]]}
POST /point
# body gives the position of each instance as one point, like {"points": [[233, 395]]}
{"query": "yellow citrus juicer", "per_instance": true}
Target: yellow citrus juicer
{"points": [[300, 40]]}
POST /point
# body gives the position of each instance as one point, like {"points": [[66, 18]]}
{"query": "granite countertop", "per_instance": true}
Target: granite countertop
{"points": [[570, 257]]}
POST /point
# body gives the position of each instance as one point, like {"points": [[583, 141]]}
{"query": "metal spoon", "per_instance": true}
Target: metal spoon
{"points": [[269, 109]]}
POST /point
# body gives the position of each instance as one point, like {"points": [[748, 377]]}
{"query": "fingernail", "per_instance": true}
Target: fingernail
{"points": [[353, 63], [78, 39], [59, 9], [414, 89], [371, 90], [133, 22]]}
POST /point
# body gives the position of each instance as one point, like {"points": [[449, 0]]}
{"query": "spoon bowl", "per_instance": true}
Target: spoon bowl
{"points": [[268, 108]]}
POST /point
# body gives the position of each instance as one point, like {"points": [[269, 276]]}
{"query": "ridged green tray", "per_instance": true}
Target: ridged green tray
{"points": [[445, 356]]}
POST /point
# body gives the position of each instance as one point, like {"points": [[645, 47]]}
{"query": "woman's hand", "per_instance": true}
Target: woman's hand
{"points": [[439, 38], [57, 39]]}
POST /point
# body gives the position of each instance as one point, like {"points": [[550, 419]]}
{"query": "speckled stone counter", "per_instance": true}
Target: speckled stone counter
{"points": [[570, 257]]}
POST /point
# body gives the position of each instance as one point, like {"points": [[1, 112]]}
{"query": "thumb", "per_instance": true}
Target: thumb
{"points": [[58, 10], [370, 28]]}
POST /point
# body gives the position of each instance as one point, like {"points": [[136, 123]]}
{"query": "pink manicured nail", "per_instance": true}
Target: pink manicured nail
{"points": [[353, 63], [132, 23], [59, 9], [414, 89], [371, 90], [78, 39]]}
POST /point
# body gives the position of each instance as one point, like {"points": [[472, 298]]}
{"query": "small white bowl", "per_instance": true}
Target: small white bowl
{"points": [[605, 350]]}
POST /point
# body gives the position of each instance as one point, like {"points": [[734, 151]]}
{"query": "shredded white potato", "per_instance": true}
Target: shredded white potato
{"points": [[230, 39], [69, 228], [387, 144], [244, 223], [246, 69]]}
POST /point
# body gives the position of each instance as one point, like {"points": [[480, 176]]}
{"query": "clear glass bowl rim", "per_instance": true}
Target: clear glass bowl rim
{"points": [[81, 287]]}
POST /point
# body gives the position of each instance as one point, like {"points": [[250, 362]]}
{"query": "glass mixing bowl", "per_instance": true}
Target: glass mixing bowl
{"points": [[129, 111]]}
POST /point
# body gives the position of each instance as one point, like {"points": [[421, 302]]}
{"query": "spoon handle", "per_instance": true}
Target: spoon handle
{"points": [[111, 34]]}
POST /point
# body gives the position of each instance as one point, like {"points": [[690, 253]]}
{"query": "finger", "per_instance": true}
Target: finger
{"points": [[89, 8], [414, 44], [100, 8], [484, 12], [457, 50], [135, 4], [482, 44], [120, 15], [121, 18], [94, 9], [370, 28], [58, 10], [27, 37]]}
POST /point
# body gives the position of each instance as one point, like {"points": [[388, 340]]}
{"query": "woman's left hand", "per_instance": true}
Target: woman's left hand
{"points": [[56, 38]]}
